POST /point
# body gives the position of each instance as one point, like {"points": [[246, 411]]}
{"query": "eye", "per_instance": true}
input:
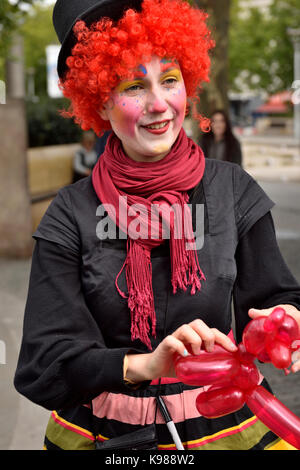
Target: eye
{"points": [[170, 81], [133, 88]]}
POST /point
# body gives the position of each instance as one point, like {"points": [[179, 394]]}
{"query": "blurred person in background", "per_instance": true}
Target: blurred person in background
{"points": [[220, 142], [85, 157], [101, 142]]}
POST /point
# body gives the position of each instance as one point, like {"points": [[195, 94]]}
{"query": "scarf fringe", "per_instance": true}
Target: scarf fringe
{"points": [[185, 267], [140, 292], [184, 261]]}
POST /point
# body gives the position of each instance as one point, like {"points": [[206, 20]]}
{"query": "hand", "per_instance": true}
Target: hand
{"points": [[160, 362], [290, 310]]}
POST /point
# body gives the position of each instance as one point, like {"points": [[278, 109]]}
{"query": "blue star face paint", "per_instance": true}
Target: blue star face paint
{"points": [[142, 69]]}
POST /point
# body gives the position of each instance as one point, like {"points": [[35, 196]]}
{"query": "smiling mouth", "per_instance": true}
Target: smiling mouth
{"points": [[157, 127]]}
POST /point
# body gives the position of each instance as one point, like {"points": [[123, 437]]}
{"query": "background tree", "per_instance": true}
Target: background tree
{"points": [[11, 17], [260, 51], [38, 33], [33, 20]]}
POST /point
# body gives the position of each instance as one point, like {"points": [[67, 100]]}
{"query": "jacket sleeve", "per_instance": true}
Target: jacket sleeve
{"points": [[63, 360], [263, 278]]}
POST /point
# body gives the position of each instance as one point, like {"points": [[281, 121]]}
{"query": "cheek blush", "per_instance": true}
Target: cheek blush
{"points": [[127, 113]]}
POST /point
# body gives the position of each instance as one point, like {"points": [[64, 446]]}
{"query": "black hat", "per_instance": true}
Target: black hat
{"points": [[67, 12]]}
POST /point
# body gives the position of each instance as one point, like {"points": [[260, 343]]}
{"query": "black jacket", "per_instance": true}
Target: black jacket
{"points": [[77, 326]]}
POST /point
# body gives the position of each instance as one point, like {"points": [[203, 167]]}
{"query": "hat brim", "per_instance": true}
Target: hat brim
{"points": [[110, 9]]}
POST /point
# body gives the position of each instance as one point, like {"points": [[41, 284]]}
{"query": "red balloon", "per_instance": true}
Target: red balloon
{"points": [[279, 353], [254, 336], [206, 368], [275, 415], [247, 377], [274, 320], [220, 402], [263, 356], [270, 338], [234, 376], [288, 330]]}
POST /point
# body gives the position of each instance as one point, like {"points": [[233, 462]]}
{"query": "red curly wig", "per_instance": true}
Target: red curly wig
{"points": [[106, 52]]}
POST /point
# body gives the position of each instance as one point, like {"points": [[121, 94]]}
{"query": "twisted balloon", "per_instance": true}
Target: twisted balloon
{"points": [[234, 378]]}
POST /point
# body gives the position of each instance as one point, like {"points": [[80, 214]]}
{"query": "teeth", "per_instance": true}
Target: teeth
{"points": [[157, 126]]}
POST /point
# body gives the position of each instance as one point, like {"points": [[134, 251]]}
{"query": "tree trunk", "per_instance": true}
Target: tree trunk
{"points": [[15, 213]]}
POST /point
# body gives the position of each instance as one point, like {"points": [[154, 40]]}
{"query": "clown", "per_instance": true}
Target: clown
{"points": [[104, 316]]}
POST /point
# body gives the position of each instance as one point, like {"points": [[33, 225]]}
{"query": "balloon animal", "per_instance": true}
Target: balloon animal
{"points": [[234, 378]]}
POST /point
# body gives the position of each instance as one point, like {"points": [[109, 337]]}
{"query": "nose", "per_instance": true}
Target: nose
{"points": [[156, 104]]}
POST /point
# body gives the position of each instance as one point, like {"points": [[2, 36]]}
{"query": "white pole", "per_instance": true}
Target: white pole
{"points": [[295, 38]]}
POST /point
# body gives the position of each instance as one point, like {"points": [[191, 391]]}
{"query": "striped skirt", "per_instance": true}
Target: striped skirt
{"points": [[117, 414]]}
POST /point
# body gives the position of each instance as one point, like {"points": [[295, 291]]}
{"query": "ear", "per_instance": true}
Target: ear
{"points": [[103, 114]]}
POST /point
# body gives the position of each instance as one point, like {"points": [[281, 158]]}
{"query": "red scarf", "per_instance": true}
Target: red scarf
{"points": [[163, 182]]}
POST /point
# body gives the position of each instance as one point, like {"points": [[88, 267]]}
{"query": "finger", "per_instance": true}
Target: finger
{"points": [[296, 366], [255, 312], [224, 341], [206, 333], [189, 336], [296, 361], [171, 344]]}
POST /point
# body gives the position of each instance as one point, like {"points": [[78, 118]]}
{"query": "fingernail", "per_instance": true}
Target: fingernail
{"points": [[185, 353]]}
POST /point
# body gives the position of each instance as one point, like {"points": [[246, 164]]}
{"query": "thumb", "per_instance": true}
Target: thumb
{"points": [[255, 312]]}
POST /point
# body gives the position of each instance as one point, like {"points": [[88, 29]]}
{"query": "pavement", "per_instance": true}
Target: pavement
{"points": [[271, 157], [22, 424]]}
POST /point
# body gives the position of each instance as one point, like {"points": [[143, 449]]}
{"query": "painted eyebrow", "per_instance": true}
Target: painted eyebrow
{"points": [[143, 78], [169, 70]]}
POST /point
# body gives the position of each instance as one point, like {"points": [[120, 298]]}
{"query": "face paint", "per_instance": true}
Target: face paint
{"points": [[147, 113], [142, 69], [166, 64]]}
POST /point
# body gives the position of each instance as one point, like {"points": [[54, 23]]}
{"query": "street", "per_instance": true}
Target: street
{"points": [[23, 423]]}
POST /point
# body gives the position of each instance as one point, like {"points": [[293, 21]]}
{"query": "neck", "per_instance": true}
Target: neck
{"points": [[218, 137]]}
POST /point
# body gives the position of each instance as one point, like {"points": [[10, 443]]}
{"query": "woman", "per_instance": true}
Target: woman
{"points": [[112, 294], [85, 157], [219, 142]]}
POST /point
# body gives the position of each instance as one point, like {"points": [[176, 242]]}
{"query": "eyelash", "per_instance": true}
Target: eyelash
{"points": [[134, 88]]}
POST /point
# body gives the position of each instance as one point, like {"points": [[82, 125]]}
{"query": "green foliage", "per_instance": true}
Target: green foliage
{"points": [[260, 50], [11, 17], [35, 24], [38, 33], [47, 127]]}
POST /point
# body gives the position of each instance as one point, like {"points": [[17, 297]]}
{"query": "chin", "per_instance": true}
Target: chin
{"points": [[161, 149]]}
